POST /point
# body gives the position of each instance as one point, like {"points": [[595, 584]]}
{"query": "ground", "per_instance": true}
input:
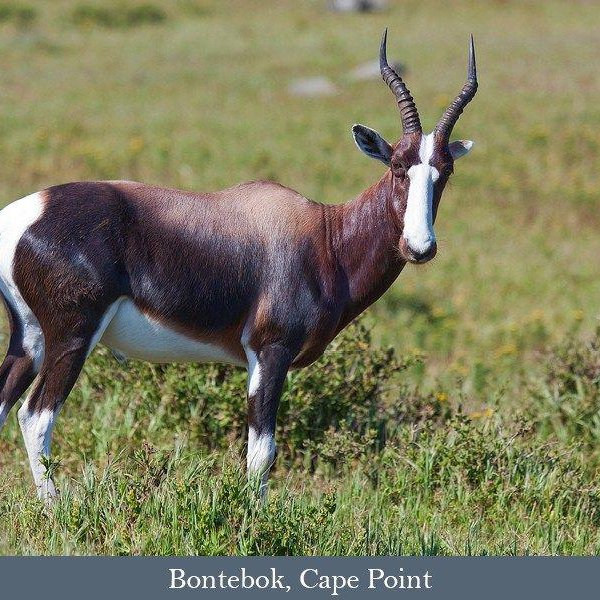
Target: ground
{"points": [[479, 433]]}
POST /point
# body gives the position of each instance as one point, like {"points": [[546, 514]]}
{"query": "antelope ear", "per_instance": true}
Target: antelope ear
{"points": [[460, 148], [372, 144]]}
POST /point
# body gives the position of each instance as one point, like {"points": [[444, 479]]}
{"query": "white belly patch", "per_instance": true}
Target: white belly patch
{"points": [[134, 334]]}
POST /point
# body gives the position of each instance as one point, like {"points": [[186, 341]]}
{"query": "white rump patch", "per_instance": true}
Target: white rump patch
{"points": [[15, 219], [418, 218], [134, 334]]}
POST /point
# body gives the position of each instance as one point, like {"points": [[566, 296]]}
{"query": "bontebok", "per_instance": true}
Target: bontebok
{"points": [[256, 275]]}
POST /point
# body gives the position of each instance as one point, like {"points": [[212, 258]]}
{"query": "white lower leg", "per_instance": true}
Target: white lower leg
{"points": [[37, 433], [261, 453]]}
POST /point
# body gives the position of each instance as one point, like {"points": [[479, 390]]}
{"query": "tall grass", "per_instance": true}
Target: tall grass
{"points": [[367, 465], [479, 432]]}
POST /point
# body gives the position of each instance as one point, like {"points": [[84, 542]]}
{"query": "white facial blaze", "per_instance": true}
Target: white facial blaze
{"points": [[418, 219]]}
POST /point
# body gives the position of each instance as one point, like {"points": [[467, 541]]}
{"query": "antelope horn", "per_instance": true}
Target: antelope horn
{"points": [[449, 118], [406, 104]]}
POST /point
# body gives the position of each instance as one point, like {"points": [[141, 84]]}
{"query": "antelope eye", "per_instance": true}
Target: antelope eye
{"points": [[397, 165]]}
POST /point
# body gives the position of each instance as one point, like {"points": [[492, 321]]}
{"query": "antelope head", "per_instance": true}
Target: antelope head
{"points": [[420, 163]]}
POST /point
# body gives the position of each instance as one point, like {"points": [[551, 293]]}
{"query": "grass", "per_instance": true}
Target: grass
{"points": [[367, 464], [479, 434]]}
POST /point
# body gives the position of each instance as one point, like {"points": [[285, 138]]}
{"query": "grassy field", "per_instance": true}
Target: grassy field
{"points": [[479, 433]]}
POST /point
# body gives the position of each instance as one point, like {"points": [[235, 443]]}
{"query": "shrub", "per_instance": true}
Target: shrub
{"points": [[351, 398], [495, 466], [117, 15], [19, 14], [567, 399], [195, 8]]}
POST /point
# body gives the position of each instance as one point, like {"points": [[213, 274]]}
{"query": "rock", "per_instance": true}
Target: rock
{"points": [[357, 5], [370, 70], [312, 86]]}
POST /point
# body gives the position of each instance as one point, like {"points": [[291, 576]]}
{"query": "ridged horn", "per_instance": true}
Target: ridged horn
{"points": [[408, 111], [449, 118]]}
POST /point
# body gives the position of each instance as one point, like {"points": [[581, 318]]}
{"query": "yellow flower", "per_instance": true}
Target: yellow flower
{"points": [[486, 413], [536, 315], [438, 312], [136, 144], [506, 350], [460, 369], [441, 397]]}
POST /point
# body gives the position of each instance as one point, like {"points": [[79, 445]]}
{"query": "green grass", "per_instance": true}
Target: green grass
{"points": [[480, 434], [367, 464]]}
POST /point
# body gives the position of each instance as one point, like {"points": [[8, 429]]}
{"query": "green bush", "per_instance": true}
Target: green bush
{"points": [[117, 15], [567, 398], [352, 395], [370, 467], [19, 14]]}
